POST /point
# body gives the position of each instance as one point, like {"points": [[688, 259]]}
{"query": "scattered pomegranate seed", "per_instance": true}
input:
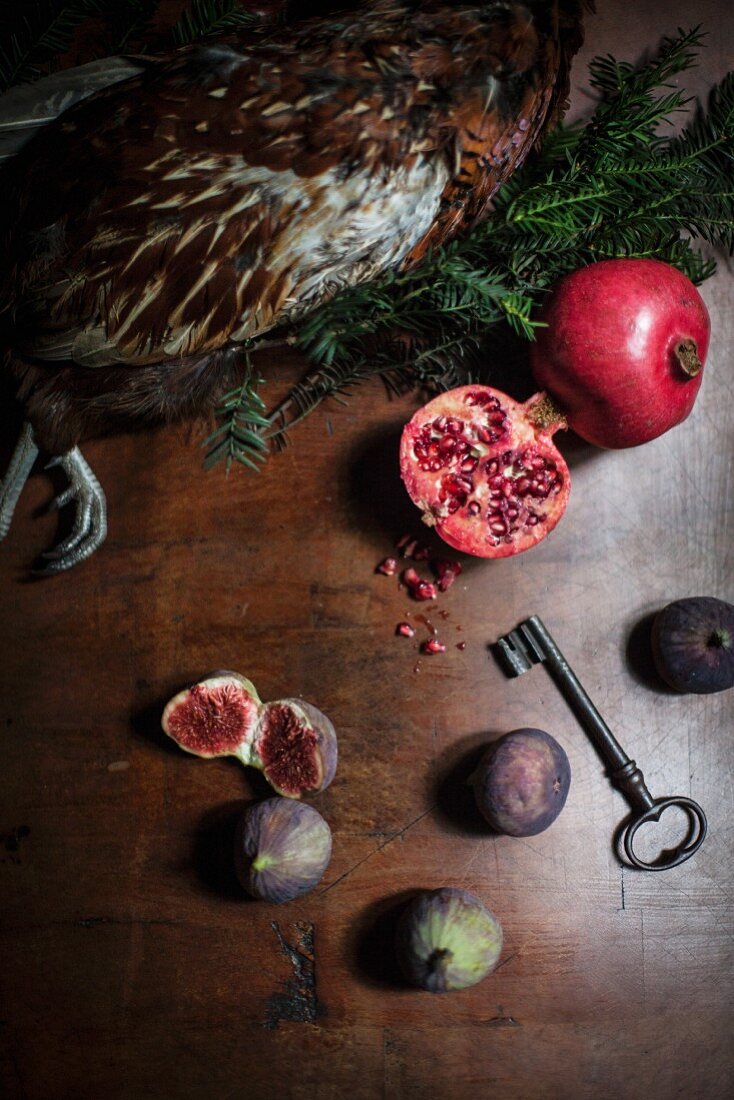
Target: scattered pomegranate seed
{"points": [[405, 629], [461, 645], [388, 566], [433, 646], [420, 589], [447, 572]]}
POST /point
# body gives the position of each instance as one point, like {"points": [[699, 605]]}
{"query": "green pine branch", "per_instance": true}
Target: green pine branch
{"points": [[205, 17], [240, 437], [38, 34]]}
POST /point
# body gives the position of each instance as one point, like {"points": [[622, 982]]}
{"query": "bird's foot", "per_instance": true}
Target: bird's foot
{"points": [[11, 486], [90, 523]]}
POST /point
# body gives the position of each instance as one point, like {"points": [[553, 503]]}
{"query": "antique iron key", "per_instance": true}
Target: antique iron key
{"points": [[530, 643]]}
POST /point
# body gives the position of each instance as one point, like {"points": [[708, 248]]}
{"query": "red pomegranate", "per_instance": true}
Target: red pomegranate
{"points": [[623, 350], [484, 471]]}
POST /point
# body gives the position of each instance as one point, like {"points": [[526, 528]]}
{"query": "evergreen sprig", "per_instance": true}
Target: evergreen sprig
{"points": [[240, 436], [208, 16], [38, 34]]}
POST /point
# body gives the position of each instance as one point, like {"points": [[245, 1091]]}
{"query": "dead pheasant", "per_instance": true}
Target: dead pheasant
{"points": [[235, 185]]}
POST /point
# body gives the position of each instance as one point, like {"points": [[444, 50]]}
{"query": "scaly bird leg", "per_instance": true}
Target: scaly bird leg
{"points": [[90, 525], [11, 486]]}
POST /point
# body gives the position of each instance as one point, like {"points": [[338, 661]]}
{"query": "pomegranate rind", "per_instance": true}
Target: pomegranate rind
{"points": [[216, 717], [295, 747], [503, 486]]}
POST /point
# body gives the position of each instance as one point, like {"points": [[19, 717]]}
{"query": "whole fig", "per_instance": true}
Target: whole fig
{"points": [[693, 644], [282, 849], [447, 939], [522, 782]]}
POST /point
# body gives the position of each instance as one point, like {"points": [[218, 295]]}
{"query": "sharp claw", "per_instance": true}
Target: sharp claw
{"points": [[90, 524], [61, 500]]}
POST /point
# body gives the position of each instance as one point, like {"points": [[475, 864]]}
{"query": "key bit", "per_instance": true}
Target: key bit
{"points": [[530, 643]]}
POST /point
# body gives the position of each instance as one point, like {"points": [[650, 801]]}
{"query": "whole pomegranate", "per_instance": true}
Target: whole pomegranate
{"points": [[623, 350], [484, 471]]}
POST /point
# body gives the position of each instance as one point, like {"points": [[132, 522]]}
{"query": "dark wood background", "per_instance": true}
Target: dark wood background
{"points": [[133, 968]]}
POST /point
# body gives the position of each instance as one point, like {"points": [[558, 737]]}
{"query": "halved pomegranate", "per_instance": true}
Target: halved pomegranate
{"points": [[484, 470]]}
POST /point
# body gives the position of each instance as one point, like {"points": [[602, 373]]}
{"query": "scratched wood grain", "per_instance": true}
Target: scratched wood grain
{"points": [[133, 967]]}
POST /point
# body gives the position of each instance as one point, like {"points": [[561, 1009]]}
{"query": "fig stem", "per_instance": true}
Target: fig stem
{"points": [[686, 355], [439, 960]]}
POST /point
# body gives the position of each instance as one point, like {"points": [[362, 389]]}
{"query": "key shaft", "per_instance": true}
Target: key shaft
{"points": [[536, 644]]}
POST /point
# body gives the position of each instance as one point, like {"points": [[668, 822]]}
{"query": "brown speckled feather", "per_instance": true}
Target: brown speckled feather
{"points": [[235, 185]]}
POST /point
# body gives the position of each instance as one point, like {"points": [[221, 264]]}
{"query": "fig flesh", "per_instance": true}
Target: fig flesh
{"points": [[693, 645], [282, 849], [295, 747], [522, 782], [447, 939], [214, 717], [290, 741]]}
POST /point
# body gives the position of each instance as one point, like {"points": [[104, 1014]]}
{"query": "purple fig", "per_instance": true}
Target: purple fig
{"points": [[282, 849], [295, 747], [522, 782], [447, 939], [290, 741], [693, 644]]}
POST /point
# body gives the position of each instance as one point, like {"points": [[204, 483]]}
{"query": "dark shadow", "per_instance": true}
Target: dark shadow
{"points": [[146, 724], [451, 790], [213, 851], [639, 659], [371, 942], [377, 493]]}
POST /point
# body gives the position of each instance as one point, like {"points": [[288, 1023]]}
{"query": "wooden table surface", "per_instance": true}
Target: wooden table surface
{"points": [[132, 965]]}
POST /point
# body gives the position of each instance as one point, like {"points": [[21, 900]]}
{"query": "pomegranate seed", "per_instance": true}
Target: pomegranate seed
{"points": [[433, 646], [454, 426], [388, 566], [498, 527], [474, 507], [409, 548], [522, 485], [419, 589], [440, 423], [447, 572], [484, 436], [405, 629], [461, 645], [469, 465]]}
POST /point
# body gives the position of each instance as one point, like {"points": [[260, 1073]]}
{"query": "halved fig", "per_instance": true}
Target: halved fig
{"points": [[295, 747], [216, 717], [290, 741]]}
